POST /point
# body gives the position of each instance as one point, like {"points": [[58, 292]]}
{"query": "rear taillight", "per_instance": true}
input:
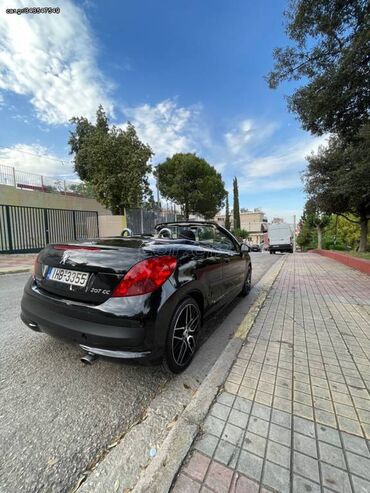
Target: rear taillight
{"points": [[146, 276]]}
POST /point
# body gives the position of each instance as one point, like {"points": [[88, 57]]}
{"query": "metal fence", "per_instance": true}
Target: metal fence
{"points": [[31, 181], [142, 221], [29, 229]]}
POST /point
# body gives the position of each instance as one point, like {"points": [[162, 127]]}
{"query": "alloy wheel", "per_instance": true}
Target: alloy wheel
{"points": [[185, 334]]}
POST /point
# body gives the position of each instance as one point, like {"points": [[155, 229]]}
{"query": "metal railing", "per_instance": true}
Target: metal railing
{"points": [[29, 229], [31, 181]]}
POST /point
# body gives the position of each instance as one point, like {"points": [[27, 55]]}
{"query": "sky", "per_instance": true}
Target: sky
{"points": [[189, 74]]}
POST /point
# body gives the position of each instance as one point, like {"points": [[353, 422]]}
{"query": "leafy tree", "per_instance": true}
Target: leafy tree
{"points": [[113, 161], [342, 234], [330, 50], [317, 219], [227, 214], [305, 237], [192, 183], [82, 188], [338, 180], [240, 233], [236, 211]]}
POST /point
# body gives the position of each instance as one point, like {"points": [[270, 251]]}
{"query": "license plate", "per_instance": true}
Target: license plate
{"points": [[68, 276]]}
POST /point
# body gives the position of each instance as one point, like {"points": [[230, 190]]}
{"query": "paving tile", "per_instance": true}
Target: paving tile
{"points": [[359, 465], [224, 452], [279, 454], [232, 434], [226, 399], [238, 418], [283, 392], [230, 387], [206, 444], [328, 435], [364, 415], [304, 426], [250, 465], [355, 444], [366, 429], [220, 411], [258, 426], [255, 444], [335, 478], [306, 466], [219, 477], [241, 404], [332, 455], [320, 392], [349, 425], [282, 404], [184, 484], [281, 418], [280, 434], [276, 477], [246, 392], [323, 404], [261, 411], [242, 484], [305, 444], [342, 398], [214, 426], [197, 466], [347, 411], [360, 485], [304, 485], [302, 410], [325, 418], [263, 398]]}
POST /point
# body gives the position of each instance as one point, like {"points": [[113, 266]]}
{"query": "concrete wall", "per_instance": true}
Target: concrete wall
{"points": [[15, 196], [111, 225]]}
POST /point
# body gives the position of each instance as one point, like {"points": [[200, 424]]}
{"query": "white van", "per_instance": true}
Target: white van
{"points": [[280, 238]]}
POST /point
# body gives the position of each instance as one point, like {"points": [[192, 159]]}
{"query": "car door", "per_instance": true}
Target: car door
{"points": [[210, 267], [234, 265]]}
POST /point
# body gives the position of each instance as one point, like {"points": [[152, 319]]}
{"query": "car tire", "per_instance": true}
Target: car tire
{"points": [[182, 336], [247, 283]]}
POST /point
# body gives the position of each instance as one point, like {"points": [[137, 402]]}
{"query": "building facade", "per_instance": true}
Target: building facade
{"points": [[255, 222]]}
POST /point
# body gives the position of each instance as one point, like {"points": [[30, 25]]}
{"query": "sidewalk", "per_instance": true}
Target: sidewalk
{"points": [[294, 414], [10, 264]]}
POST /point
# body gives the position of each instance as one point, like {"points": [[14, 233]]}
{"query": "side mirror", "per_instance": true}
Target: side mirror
{"points": [[245, 248]]}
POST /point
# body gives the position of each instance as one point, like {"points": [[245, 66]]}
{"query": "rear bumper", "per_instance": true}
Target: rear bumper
{"points": [[102, 329], [281, 248]]}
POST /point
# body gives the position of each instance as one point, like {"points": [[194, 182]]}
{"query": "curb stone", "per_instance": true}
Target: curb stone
{"points": [[160, 473], [15, 270]]}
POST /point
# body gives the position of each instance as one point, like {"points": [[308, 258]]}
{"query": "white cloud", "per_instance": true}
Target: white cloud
{"points": [[247, 133], [50, 58], [36, 159], [284, 157], [167, 127]]}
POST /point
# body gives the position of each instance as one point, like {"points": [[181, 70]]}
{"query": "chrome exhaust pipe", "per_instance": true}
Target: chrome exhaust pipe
{"points": [[89, 358]]}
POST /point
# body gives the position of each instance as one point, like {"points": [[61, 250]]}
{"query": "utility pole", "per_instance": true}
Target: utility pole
{"points": [[294, 226]]}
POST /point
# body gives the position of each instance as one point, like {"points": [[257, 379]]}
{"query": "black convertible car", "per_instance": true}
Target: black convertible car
{"points": [[138, 296]]}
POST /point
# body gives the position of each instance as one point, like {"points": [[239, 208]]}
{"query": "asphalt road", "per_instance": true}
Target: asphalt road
{"points": [[57, 416]]}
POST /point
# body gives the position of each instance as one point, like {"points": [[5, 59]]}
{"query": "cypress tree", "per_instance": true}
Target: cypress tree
{"points": [[236, 211]]}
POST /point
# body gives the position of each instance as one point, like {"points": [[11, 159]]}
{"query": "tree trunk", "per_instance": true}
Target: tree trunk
{"points": [[363, 238], [186, 211], [319, 236]]}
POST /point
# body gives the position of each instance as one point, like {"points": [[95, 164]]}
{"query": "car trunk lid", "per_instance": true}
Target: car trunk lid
{"points": [[89, 271]]}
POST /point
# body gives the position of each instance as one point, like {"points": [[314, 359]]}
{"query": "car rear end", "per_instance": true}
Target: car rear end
{"points": [[97, 295]]}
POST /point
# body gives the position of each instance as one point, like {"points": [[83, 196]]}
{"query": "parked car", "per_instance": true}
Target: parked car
{"points": [[255, 248], [137, 296]]}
